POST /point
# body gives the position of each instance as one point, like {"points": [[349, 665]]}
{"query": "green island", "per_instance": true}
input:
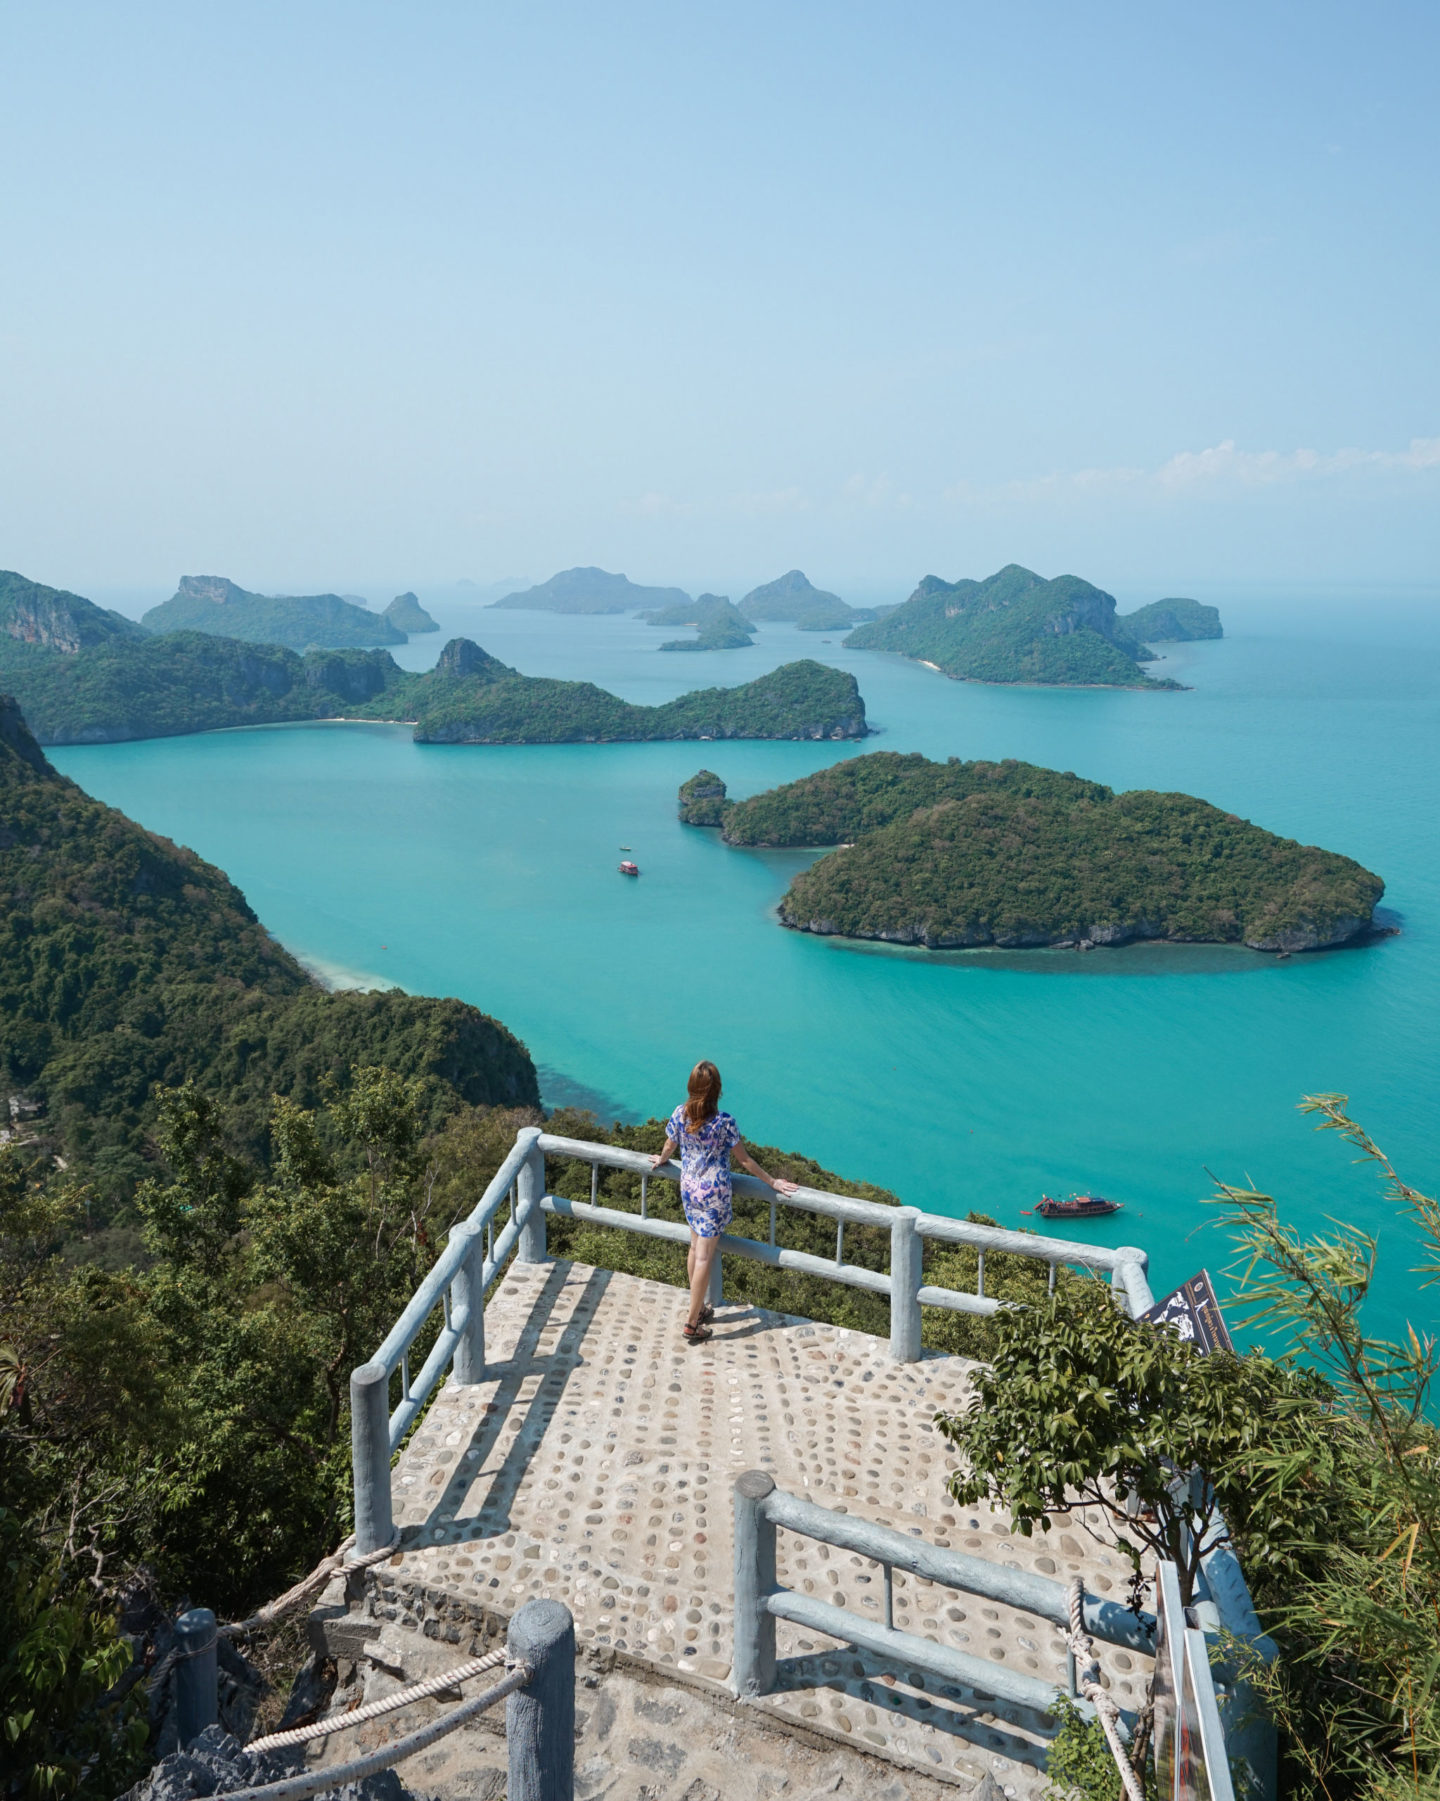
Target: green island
{"points": [[84, 675], [211, 603], [1015, 627], [719, 624], [407, 615], [589, 590], [961, 854], [1174, 621], [471, 697], [792, 599]]}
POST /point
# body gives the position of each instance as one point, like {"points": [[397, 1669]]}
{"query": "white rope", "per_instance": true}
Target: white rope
{"points": [[1087, 1681], [372, 1710], [295, 1788]]}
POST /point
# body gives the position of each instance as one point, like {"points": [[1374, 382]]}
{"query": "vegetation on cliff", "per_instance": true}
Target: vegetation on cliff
{"points": [[956, 854], [407, 615], [1012, 627], [212, 603], [702, 799], [589, 590], [472, 698], [52, 619], [142, 687]]}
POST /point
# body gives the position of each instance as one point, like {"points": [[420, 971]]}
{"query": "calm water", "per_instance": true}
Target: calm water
{"points": [[959, 1081]]}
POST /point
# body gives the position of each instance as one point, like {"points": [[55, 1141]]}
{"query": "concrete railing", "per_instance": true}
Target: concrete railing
{"points": [[477, 1252], [761, 1509]]}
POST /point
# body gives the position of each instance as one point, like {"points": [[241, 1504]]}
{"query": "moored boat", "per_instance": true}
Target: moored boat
{"points": [[1074, 1206]]}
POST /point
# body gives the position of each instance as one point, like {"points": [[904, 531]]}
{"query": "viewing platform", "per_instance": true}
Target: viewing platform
{"points": [[594, 1463]]}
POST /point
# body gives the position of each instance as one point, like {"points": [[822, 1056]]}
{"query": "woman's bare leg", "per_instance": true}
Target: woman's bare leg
{"points": [[702, 1255]]}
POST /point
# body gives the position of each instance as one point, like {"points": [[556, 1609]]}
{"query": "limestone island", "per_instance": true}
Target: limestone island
{"points": [[955, 855], [211, 603], [1015, 626], [792, 599], [471, 697], [591, 591], [407, 615], [718, 624]]}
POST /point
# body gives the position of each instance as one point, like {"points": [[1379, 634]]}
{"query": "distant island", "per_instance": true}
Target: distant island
{"points": [[718, 624], [471, 697], [953, 855], [85, 675], [591, 591], [407, 615], [1015, 627], [1172, 622], [211, 603], [792, 600]]}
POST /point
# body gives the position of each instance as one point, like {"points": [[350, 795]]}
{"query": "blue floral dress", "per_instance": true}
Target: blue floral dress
{"points": [[705, 1171]]}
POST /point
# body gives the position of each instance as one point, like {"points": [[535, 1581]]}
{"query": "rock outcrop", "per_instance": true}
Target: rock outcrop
{"points": [[702, 799]]}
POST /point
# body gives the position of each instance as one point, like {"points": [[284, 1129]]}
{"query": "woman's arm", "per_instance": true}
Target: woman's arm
{"points": [[779, 1183], [665, 1155]]}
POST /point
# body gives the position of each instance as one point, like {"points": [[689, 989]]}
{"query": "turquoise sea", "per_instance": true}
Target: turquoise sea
{"points": [[960, 1081]]}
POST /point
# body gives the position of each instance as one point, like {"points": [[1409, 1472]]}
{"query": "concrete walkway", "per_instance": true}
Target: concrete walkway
{"points": [[595, 1466]]}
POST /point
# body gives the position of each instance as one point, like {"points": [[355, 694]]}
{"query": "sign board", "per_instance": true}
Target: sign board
{"points": [[1194, 1313], [1190, 1759]]}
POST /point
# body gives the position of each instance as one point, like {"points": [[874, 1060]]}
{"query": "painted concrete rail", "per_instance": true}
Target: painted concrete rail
{"points": [[595, 1465]]}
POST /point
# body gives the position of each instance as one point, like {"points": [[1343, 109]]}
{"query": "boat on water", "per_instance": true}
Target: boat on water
{"points": [[1074, 1206], [628, 868]]}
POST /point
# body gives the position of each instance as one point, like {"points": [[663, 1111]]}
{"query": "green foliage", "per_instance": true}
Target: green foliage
{"points": [[1083, 1407], [1356, 1688], [977, 853], [62, 1731], [590, 590], [702, 799], [799, 700], [1012, 627], [208, 603], [126, 961], [1079, 1763], [407, 615], [186, 681], [1171, 621]]}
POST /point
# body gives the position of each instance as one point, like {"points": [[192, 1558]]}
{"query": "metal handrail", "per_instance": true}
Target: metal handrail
{"points": [[476, 1253]]}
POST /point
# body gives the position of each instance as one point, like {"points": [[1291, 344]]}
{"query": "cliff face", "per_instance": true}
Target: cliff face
{"points": [[31, 613], [702, 800], [213, 603]]}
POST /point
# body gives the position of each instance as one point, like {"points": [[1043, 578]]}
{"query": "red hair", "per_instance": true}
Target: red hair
{"points": [[704, 1098]]}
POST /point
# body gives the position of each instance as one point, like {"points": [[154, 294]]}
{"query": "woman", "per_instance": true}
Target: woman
{"points": [[706, 1138]]}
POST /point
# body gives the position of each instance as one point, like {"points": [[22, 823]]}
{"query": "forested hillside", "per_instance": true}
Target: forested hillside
{"points": [[1013, 627], [126, 960], [213, 603]]}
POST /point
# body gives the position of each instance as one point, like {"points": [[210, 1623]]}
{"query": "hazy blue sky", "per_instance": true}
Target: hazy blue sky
{"points": [[326, 295]]}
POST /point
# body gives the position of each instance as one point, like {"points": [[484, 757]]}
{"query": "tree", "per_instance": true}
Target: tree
{"points": [[1357, 1689], [1083, 1407]]}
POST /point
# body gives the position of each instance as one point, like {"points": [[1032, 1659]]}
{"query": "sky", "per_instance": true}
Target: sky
{"points": [[325, 296]]}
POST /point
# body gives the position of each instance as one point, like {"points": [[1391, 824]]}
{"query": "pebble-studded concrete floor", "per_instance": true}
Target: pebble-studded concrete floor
{"points": [[595, 1465]]}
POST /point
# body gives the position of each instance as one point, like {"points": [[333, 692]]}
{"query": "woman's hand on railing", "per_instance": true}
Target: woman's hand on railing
{"points": [[782, 1185]]}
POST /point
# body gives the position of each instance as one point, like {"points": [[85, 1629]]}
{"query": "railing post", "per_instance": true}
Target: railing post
{"points": [[468, 1290], [529, 1188], [715, 1295], [540, 1718], [370, 1456], [907, 1250], [197, 1690], [753, 1671], [1129, 1276]]}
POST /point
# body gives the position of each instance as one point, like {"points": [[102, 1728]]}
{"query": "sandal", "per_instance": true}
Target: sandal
{"points": [[696, 1334], [707, 1313]]}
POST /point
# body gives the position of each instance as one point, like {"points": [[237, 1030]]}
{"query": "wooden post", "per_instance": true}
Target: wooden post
{"points": [[540, 1718]]}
